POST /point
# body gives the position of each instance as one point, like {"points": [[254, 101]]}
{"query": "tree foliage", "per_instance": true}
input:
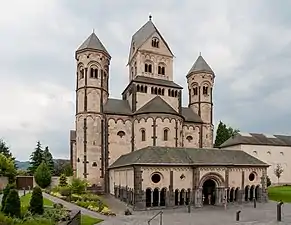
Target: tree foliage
{"points": [[63, 181], [223, 133], [36, 158], [48, 159], [36, 202], [63, 167], [4, 149], [7, 168], [278, 171], [42, 175], [12, 204], [5, 194], [78, 186]]}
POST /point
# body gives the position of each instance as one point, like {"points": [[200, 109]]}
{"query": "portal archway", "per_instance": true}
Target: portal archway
{"points": [[208, 191]]}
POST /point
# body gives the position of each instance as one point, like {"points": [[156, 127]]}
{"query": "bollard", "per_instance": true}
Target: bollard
{"points": [[237, 215], [24, 191], [279, 211], [255, 203]]}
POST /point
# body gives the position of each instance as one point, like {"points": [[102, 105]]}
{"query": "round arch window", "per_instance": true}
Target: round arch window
{"points": [[252, 177], [156, 178]]}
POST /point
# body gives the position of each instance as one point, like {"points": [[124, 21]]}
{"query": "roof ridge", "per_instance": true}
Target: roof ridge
{"points": [[200, 65]]}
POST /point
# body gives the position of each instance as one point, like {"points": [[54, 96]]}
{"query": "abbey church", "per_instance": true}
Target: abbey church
{"points": [[146, 148]]}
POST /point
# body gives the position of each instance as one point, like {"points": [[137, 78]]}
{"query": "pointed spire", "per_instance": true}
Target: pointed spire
{"points": [[92, 43], [200, 66]]}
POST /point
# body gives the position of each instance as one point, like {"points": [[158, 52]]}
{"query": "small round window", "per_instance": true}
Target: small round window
{"points": [[156, 178], [252, 177]]}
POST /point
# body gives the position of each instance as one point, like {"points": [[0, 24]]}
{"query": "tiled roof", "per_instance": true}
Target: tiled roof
{"points": [[187, 156], [156, 105], [92, 43], [117, 106], [190, 115], [149, 80], [257, 139], [200, 66]]}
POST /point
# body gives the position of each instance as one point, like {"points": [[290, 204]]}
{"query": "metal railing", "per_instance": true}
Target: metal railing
{"points": [[158, 214]]}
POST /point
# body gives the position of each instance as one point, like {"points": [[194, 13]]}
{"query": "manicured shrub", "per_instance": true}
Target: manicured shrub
{"points": [[78, 186], [65, 191], [36, 202], [43, 176], [63, 181], [5, 194], [12, 204]]}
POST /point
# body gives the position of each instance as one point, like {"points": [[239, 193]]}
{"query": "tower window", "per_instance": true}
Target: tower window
{"points": [[148, 68], [166, 132], [195, 91], [121, 133], [205, 90], [94, 73], [161, 70], [143, 135], [155, 42], [81, 73]]}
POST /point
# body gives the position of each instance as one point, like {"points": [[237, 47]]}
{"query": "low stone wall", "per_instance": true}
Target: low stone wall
{"points": [[3, 182]]}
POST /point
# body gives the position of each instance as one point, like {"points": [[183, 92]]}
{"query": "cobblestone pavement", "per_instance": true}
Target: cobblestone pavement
{"points": [[264, 214]]}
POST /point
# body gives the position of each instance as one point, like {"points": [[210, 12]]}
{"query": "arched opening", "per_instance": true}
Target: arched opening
{"points": [[137, 88], [163, 197], [257, 192], [148, 197], [159, 91], [231, 195], [236, 194], [227, 195], [166, 134], [208, 192], [176, 197], [152, 90], [252, 192], [188, 193], [156, 197], [247, 188], [182, 197], [143, 135], [156, 91]]}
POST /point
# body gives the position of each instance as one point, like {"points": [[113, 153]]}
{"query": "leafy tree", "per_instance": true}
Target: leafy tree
{"points": [[36, 158], [278, 171], [63, 181], [12, 204], [7, 168], [48, 158], [43, 175], [223, 133], [63, 167], [268, 181], [36, 202], [78, 186], [22, 172]]}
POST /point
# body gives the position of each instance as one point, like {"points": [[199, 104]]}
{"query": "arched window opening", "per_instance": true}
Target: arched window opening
{"points": [[156, 91], [163, 70], [195, 91], [176, 93], [159, 91], [135, 68], [152, 90], [141, 88], [96, 73], [150, 68], [82, 73], [146, 67], [159, 70], [172, 94], [166, 132], [163, 91], [121, 133], [169, 92], [143, 135], [137, 88], [78, 160], [145, 89], [205, 90], [189, 138], [155, 42], [94, 164]]}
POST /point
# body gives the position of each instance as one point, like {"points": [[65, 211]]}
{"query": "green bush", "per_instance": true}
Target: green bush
{"points": [[43, 175], [36, 202], [12, 204], [78, 186], [63, 181], [65, 191]]}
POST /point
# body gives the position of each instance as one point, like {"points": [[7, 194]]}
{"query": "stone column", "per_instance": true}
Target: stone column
{"points": [[139, 194], [198, 198], [264, 195], [259, 194], [240, 196], [219, 195], [171, 187]]}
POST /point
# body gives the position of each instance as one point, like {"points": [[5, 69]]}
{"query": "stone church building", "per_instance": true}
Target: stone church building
{"points": [[146, 148]]}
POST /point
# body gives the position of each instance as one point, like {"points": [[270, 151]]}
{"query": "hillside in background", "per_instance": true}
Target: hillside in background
{"points": [[23, 165]]}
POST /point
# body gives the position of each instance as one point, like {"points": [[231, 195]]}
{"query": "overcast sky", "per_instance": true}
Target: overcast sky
{"points": [[247, 44]]}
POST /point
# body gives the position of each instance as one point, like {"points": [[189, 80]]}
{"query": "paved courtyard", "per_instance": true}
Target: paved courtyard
{"points": [[264, 214]]}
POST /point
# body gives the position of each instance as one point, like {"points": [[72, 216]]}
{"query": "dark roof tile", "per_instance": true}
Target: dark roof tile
{"points": [[190, 115], [117, 106]]}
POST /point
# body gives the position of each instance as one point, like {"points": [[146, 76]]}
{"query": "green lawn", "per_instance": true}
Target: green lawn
{"points": [[25, 200], [87, 220], [280, 193]]}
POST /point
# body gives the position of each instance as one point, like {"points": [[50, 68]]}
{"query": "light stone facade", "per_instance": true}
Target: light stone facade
{"points": [[150, 113]]}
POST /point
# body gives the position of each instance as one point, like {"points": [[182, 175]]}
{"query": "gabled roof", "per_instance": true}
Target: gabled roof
{"points": [[190, 115], [150, 80], [187, 156], [117, 106], [92, 43], [156, 105], [200, 65], [257, 139], [144, 33]]}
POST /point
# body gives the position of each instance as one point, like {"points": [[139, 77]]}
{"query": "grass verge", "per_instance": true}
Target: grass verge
{"points": [[280, 193]]}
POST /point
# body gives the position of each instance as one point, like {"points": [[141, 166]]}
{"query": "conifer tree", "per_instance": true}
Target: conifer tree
{"points": [[48, 159], [12, 204], [36, 202], [63, 181], [223, 133], [43, 176], [36, 158]]}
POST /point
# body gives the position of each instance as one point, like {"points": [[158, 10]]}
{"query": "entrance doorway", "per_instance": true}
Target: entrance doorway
{"points": [[209, 192]]}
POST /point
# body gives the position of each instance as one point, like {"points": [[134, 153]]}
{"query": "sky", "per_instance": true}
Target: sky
{"points": [[246, 43]]}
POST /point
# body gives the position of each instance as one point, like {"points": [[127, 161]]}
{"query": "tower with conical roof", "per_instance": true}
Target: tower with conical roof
{"points": [[200, 79], [91, 94]]}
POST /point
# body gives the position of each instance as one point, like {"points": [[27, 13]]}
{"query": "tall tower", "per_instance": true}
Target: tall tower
{"points": [[200, 80], [91, 94]]}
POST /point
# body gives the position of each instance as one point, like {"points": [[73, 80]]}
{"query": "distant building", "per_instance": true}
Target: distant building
{"points": [[146, 148]]}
